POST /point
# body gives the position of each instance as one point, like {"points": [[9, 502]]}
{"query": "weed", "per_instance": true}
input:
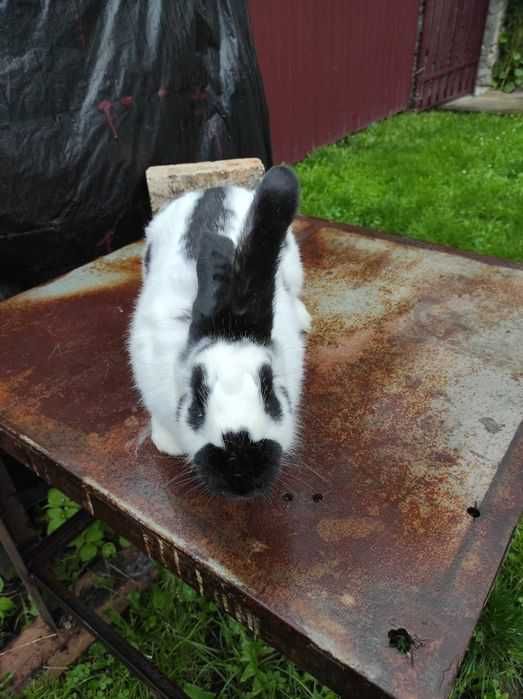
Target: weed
{"points": [[508, 71], [7, 606], [207, 652], [95, 540]]}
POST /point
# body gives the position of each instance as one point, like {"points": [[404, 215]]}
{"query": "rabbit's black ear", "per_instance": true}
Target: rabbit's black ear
{"points": [[256, 259], [236, 288]]}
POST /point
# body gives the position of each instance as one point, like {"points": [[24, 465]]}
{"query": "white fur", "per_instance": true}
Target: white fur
{"points": [[159, 336]]}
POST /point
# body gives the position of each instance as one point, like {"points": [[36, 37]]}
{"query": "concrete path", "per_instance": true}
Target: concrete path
{"points": [[493, 101]]}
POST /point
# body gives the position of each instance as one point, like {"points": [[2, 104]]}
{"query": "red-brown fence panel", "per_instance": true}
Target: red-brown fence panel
{"points": [[449, 50], [331, 67]]}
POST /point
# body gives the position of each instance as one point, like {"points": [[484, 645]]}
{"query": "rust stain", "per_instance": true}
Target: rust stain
{"points": [[56, 326], [348, 600], [333, 530], [258, 547], [413, 383], [128, 266]]}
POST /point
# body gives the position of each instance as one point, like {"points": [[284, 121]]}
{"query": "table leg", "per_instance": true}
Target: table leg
{"points": [[12, 551]]}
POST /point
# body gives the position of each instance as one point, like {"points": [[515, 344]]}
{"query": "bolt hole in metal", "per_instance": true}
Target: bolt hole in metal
{"points": [[473, 512], [401, 640], [317, 497], [289, 497]]}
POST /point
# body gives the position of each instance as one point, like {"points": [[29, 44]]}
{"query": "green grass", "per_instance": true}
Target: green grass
{"points": [[193, 642], [452, 179]]}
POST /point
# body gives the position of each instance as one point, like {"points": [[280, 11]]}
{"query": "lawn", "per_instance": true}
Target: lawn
{"points": [[448, 178], [452, 179]]}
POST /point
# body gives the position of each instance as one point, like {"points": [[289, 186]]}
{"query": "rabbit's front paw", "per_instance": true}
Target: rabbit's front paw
{"points": [[163, 440]]}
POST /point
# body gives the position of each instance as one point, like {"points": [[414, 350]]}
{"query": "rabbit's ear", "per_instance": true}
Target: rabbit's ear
{"points": [[236, 289], [257, 256]]}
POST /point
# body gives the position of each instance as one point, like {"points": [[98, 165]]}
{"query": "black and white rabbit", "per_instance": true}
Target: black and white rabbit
{"points": [[217, 338]]}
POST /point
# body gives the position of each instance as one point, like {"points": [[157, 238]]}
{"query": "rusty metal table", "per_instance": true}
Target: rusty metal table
{"points": [[411, 413]]}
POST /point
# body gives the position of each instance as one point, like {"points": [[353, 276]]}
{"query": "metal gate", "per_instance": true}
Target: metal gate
{"points": [[449, 50]]}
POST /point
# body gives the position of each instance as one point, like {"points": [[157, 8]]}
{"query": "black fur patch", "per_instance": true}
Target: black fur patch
{"points": [[258, 254], [214, 271], [270, 400], [208, 218], [236, 287], [242, 469], [147, 258], [200, 394]]}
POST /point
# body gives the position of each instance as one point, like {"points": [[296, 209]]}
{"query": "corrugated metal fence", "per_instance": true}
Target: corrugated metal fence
{"points": [[323, 74], [331, 67], [449, 50]]}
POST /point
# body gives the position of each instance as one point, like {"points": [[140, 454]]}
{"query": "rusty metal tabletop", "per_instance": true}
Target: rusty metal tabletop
{"points": [[411, 413]]}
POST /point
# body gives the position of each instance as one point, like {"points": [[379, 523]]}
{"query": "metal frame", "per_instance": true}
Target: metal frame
{"points": [[15, 534], [14, 513], [24, 574], [324, 617], [35, 572]]}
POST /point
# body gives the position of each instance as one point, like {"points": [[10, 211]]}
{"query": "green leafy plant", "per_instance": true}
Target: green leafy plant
{"points": [[94, 541], [508, 71], [26, 610], [196, 692], [204, 650], [7, 606]]}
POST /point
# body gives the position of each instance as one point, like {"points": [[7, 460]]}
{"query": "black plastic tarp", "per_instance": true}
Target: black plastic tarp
{"points": [[92, 92]]}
